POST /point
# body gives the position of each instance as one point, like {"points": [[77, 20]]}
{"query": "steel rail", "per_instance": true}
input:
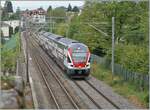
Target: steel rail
{"points": [[47, 85], [99, 107], [102, 94], [59, 82], [56, 77]]}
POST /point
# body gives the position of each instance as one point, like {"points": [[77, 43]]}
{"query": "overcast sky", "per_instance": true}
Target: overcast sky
{"points": [[45, 4]]}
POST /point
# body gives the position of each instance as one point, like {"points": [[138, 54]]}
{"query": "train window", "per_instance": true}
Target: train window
{"points": [[68, 59]]}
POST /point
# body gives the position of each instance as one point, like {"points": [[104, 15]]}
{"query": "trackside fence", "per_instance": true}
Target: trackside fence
{"points": [[139, 79]]}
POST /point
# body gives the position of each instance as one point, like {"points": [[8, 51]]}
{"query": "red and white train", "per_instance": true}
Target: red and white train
{"points": [[71, 55]]}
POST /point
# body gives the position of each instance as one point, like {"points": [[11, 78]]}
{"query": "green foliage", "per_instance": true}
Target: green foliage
{"points": [[69, 8], [7, 78], [4, 15], [61, 29], [17, 14], [132, 57], [49, 9], [10, 31], [17, 29], [59, 12], [75, 9], [1, 32], [8, 6], [7, 12], [8, 62], [131, 31], [9, 56]]}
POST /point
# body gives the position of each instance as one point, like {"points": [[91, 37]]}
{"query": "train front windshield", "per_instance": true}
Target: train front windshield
{"points": [[79, 53], [79, 56]]}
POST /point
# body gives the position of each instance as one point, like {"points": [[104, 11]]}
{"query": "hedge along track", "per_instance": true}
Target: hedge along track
{"points": [[59, 82]]}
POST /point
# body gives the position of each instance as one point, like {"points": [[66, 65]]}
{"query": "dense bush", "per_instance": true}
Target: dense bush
{"points": [[133, 57]]}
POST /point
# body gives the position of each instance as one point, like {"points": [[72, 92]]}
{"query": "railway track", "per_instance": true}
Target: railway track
{"points": [[67, 100], [106, 103], [96, 97], [110, 101], [47, 85]]}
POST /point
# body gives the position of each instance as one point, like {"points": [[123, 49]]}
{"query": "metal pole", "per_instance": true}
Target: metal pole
{"points": [[113, 44], [27, 69], [0, 41], [51, 21], [20, 32]]}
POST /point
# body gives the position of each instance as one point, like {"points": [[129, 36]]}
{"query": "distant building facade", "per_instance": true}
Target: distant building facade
{"points": [[80, 10], [35, 16]]}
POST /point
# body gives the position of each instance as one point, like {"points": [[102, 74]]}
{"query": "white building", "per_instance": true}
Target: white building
{"points": [[80, 10], [5, 30], [13, 23]]}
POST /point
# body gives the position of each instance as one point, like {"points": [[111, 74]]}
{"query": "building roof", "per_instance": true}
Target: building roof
{"points": [[39, 11]]}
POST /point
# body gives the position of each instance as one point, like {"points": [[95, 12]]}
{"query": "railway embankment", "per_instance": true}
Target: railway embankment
{"points": [[12, 90], [16, 92]]}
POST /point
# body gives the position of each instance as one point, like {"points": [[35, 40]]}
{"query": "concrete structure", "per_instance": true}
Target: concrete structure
{"points": [[12, 23], [80, 10], [5, 30]]}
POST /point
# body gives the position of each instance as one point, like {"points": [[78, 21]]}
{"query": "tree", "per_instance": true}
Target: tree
{"points": [[7, 10], [17, 13], [75, 9], [131, 31], [16, 29], [1, 32], [4, 15], [69, 8], [8, 6], [59, 12], [10, 31], [49, 9]]}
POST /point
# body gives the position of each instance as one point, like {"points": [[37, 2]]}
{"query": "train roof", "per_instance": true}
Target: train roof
{"points": [[67, 41], [58, 38]]}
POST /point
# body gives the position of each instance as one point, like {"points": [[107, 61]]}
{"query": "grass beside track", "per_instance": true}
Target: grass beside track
{"points": [[126, 89]]}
